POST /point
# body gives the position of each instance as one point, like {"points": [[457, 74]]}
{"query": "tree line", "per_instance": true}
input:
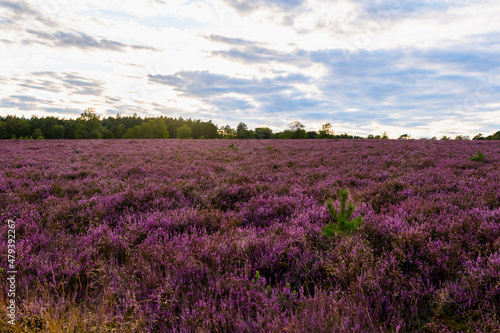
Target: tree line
{"points": [[91, 126]]}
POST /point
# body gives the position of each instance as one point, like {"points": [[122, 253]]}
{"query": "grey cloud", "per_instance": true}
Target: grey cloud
{"points": [[28, 99], [79, 40], [288, 21], [274, 95], [377, 82], [247, 6], [384, 81], [40, 25], [18, 7], [382, 85], [23, 13], [112, 100], [229, 40], [230, 103], [253, 54], [82, 41], [206, 84], [5, 21], [408, 7], [23, 103], [81, 85], [61, 81], [144, 47], [45, 85]]}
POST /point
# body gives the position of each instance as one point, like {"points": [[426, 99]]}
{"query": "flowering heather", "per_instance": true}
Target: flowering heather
{"points": [[193, 236]]}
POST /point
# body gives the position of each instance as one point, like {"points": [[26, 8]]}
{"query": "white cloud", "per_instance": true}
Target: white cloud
{"points": [[121, 43]]}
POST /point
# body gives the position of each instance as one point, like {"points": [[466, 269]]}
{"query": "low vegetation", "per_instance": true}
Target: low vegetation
{"points": [[343, 222], [195, 236]]}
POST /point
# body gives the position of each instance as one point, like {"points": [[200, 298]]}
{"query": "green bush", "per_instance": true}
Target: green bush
{"points": [[344, 224], [479, 157]]}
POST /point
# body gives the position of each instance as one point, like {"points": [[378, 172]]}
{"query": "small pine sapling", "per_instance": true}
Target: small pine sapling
{"points": [[344, 224], [478, 158]]}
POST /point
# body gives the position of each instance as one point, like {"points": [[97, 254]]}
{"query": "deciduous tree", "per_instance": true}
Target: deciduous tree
{"points": [[89, 125], [184, 132]]}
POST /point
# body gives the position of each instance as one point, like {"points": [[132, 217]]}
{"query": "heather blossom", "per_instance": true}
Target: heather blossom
{"points": [[188, 235]]}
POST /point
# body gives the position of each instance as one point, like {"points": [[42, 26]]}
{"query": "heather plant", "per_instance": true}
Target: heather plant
{"points": [[168, 236], [343, 222], [233, 147]]}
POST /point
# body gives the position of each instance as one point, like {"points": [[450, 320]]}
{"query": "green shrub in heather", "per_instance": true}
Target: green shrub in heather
{"points": [[343, 222], [479, 157]]}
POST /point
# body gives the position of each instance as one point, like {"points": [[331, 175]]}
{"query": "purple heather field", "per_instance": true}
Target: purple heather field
{"points": [[196, 236]]}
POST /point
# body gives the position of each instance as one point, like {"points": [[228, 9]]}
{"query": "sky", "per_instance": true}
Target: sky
{"points": [[425, 68]]}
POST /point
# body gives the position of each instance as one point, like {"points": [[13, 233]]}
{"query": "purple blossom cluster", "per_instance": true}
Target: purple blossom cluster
{"points": [[193, 236]]}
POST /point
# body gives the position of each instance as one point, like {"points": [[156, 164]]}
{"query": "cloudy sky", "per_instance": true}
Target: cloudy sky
{"points": [[424, 67]]}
